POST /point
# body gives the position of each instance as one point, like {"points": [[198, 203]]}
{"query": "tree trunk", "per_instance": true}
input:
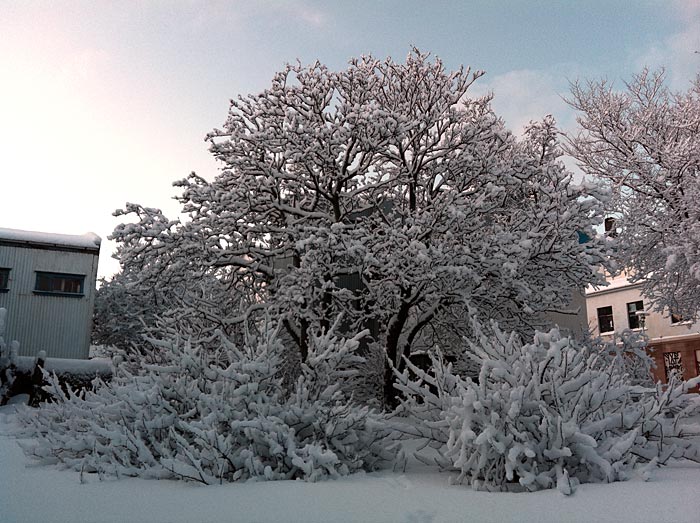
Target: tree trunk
{"points": [[395, 328]]}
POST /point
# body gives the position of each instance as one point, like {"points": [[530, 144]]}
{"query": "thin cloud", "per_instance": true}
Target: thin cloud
{"points": [[687, 8], [299, 11], [679, 53], [236, 15], [525, 95]]}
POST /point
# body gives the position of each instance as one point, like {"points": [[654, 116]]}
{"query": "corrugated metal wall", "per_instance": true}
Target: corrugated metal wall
{"points": [[60, 325]]}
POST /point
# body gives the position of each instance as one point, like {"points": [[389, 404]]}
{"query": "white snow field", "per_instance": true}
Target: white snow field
{"points": [[44, 494]]}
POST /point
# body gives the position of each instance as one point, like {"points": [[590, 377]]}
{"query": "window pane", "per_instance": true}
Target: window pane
{"points": [[4, 278], [610, 229], [632, 316], [71, 285], [59, 283], [43, 283], [605, 319], [677, 318]]}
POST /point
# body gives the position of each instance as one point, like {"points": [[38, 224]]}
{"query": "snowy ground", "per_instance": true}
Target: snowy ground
{"points": [[40, 494]]}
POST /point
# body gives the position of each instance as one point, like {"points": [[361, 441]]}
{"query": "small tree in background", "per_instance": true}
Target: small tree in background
{"points": [[127, 311], [644, 142], [122, 313]]}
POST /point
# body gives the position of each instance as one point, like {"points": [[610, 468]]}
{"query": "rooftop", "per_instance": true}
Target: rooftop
{"points": [[614, 283], [84, 242]]}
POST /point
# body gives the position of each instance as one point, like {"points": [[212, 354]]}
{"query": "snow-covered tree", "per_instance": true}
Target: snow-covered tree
{"points": [[645, 141], [545, 414], [216, 415], [383, 192]]}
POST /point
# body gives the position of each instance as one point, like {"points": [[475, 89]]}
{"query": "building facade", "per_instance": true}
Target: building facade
{"points": [[47, 285], [675, 341]]}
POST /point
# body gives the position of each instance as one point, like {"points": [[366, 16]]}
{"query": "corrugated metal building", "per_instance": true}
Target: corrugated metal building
{"points": [[47, 285]]}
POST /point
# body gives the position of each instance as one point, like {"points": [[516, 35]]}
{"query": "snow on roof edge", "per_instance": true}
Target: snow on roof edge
{"points": [[89, 240]]}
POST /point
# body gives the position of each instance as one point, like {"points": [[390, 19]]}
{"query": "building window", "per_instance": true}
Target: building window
{"points": [[59, 284], [605, 319], [633, 319], [678, 318], [672, 362], [4, 280], [610, 227], [697, 362]]}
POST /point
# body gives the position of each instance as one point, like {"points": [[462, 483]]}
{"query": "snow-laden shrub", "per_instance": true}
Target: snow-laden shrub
{"points": [[629, 352], [547, 413], [8, 359], [216, 416]]}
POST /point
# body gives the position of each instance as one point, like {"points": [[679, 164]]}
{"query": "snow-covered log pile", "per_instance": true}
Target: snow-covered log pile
{"points": [[216, 416], [86, 369], [548, 413]]}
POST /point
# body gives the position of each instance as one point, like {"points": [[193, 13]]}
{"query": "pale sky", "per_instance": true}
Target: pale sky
{"points": [[107, 102]]}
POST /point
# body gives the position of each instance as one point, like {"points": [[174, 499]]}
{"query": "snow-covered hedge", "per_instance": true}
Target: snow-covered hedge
{"points": [[216, 416], [547, 413]]}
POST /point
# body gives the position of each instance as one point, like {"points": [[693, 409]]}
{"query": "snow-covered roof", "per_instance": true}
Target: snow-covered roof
{"points": [[88, 241]]}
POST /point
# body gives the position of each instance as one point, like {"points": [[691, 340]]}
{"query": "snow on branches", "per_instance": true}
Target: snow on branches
{"points": [[644, 142], [382, 192], [547, 414], [215, 416]]}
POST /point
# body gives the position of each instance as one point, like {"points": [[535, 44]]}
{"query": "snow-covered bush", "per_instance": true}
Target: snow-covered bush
{"points": [[216, 416], [547, 413], [629, 351], [8, 359]]}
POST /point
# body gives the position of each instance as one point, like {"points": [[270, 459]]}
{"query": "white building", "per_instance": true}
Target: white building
{"points": [[47, 285], [675, 342]]}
